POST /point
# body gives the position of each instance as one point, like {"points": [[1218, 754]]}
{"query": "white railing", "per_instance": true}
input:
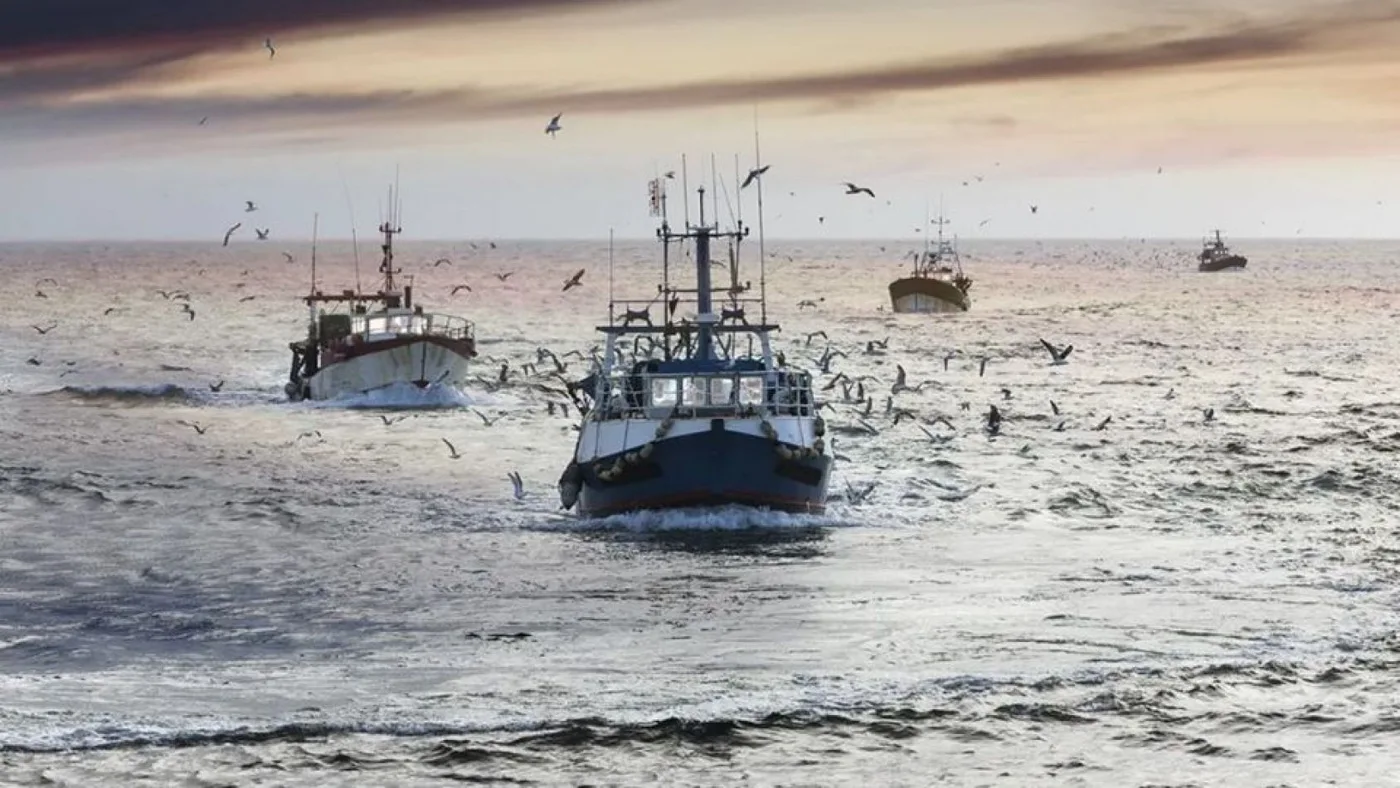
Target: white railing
{"points": [[652, 395], [374, 327]]}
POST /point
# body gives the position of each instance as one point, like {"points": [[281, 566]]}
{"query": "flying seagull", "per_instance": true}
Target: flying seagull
{"points": [[574, 281], [251, 206], [452, 449], [271, 50], [851, 188], [262, 234], [289, 257], [1057, 356], [229, 233], [554, 126], [754, 175], [518, 483]]}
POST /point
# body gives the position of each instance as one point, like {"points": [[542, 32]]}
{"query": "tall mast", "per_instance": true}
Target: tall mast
{"points": [[762, 256], [315, 224], [703, 306], [389, 228]]}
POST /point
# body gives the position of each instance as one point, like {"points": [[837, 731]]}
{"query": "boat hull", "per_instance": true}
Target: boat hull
{"points": [[715, 466], [1234, 261], [924, 295], [421, 361]]}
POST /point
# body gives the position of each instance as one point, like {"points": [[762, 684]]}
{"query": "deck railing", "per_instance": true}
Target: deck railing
{"points": [[374, 327], [652, 395]]}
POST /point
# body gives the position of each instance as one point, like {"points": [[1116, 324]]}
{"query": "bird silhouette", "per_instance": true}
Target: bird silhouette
{"points": [[754, 175], [554, 127], [229, 233], [851, 188], [453, 449], [574, 281]]}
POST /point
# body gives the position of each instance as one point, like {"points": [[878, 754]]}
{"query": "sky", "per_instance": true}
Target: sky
{"points": [[152, 120]]}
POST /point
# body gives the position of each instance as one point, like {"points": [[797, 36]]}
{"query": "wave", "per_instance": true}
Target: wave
{"points": [[159, 393], [966, 707]]}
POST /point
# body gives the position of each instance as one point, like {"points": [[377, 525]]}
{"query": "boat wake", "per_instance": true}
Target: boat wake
{"points": [[403, 396], [727, 518]]}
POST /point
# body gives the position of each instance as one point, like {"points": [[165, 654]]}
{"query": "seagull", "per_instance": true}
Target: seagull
{"points": [[951, 355], [388, 422], [271, 50], [982, 368], [1057, 357], [452, 449], [187, 309], [1054, 408], [193, 425], [467, 288], [554, 126], [487, 421], [672, 174], [262, 234], [43, 331], [573, 281], [251, 206], [289, 257], [204, 120], [851, 188], [1035, 209], [504, 276], [229, 233], [518, 483], [1208, 414], [993, 420], [215, 387], [1103, 424], [754, 175]]}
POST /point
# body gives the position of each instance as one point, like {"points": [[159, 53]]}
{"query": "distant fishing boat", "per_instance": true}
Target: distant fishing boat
{"points": [[696, 410], [1216, 256], [382, 338], [937, 283]]}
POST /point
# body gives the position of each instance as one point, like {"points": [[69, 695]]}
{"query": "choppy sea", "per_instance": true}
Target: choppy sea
{"points": [[304, 595]]}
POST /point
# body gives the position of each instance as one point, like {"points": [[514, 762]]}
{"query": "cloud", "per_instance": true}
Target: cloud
{"points": [[39, 29], [1149, 50]]}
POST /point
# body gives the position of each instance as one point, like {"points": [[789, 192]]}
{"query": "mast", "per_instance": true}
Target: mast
{"points": [[389, 228], [762, 256], [315, 224], [703, 305]]}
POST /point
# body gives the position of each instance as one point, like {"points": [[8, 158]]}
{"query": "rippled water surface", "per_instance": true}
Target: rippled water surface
{"points": [[304, 595]]}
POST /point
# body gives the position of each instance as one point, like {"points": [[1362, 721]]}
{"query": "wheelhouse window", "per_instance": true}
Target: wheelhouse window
{"points": [[692, 392], [750, 390], [663, 392], [721, 391]]}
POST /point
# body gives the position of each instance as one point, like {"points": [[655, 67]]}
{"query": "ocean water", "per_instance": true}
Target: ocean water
{"points": [[304, 595]]}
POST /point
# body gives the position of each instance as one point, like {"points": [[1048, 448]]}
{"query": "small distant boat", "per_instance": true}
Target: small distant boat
{"points": [[1216, 256], [382, 339], [937, 283], [692, 411]]}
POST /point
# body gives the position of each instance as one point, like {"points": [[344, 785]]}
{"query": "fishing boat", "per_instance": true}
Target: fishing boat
{"points": [[937, 283], [694, 410], [1216, 256], [361, 342]]}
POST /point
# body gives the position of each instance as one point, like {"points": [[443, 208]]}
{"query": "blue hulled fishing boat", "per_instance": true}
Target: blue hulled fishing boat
{"points": [[691, 407]]}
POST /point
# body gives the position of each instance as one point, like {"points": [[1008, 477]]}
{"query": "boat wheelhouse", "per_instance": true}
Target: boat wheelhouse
{"points": [[382, 339], [937, 283], [1216, 256], [695, 409]]}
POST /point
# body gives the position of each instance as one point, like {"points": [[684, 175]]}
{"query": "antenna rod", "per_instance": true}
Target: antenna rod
{"points": [[354, 242], [762, 256], [714, 184], [610, 274], [685, 189], [315, 224]]}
